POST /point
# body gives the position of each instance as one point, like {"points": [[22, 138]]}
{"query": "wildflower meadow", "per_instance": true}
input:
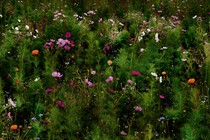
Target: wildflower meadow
{"points": [[104, 70]]}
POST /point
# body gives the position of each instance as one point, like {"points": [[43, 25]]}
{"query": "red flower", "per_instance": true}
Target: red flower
{"points": [[135, 73], [71, 83]]}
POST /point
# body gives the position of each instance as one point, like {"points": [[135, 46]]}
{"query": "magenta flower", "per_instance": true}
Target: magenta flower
{"points": [[90, 84], [57, 74], [61, 42], [60, 104], [68, 34], [162, 97], [48, 90], [111, 90], [138, 108], [146, 22], [66, 47], [135, 73]]}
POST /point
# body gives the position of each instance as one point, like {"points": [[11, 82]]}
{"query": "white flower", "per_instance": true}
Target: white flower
{"points": [[37, 79], [154, 74], [143, 33], [1, 16], [148, 30], [184, 59], [19, 20], [16, 28], [195, 17], [161, 79], [140, 38], [156, 37], [142, 49], [27, 27]]}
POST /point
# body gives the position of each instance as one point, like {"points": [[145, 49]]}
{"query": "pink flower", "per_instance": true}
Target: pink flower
{"points": [[135, 73], [146, 22], [109, 79], [130, 81], [100, 20], [61, 42], [138, 108], [66, 47], [60, 104], [57, 74], [162, 97], [93, 72], [68, 34], [48, 90], [72, 43], [11, 102]]}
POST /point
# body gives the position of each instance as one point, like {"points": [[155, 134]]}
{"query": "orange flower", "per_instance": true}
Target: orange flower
{"points": [[109, 62], [35, 52], [191, 81], [164, 73], [14, 127]]}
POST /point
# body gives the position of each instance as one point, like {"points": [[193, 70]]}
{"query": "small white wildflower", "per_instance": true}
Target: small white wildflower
{"points": [[27, 27], [36, 31], [121, 24], [184, 59], [37, 79], [154, 74], [143, 33], [156, 37], [16, 28], [1, 16], [185, 52], [142, 49], [19, 20], [161, 79], [195, 17], [148, 30], [140, 38]]}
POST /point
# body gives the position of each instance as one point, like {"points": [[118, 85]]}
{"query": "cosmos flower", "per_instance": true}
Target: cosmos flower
{"points": [[135, 73], [68, 34], [57, 74], [138, 108]]}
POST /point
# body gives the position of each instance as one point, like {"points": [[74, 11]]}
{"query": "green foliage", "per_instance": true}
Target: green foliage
{"points": [[155, 47]]}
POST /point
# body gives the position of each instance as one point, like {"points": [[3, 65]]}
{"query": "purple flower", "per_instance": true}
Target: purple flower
{"points": [[48, 90], [68, 34], [61, 42], [57, 74], [138, 108]]}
